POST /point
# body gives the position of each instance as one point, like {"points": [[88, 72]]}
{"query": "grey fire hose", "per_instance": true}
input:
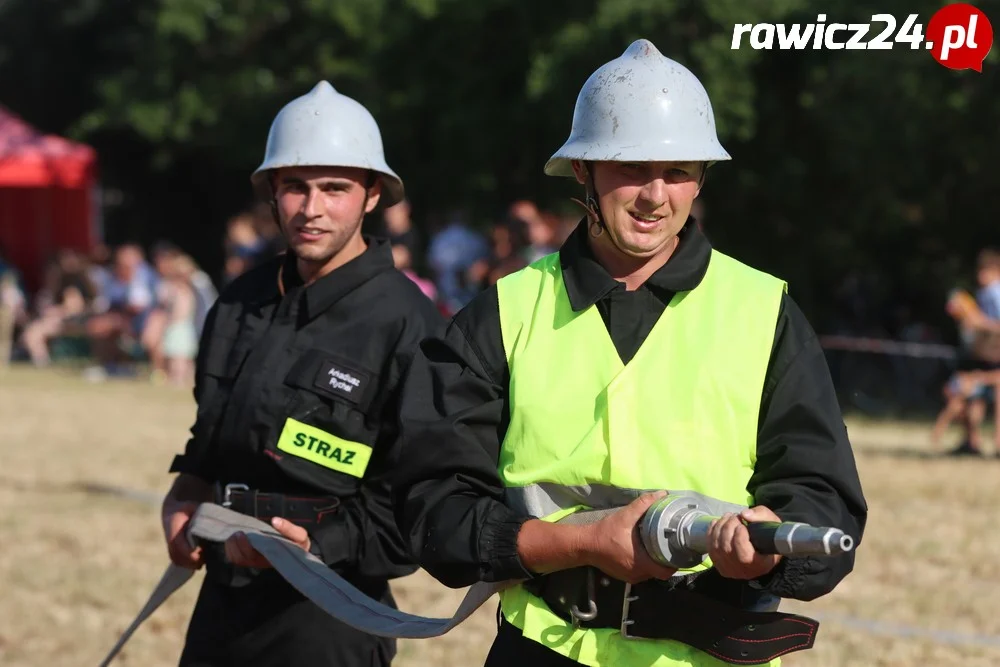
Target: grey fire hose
{"points": [[673, 532]]}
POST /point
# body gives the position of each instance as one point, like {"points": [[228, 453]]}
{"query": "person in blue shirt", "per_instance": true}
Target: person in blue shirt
{"points": [[128, 298]]}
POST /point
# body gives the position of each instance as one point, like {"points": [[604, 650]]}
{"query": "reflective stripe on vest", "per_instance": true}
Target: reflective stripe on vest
{"points": [[588, 431], [554, 500]]}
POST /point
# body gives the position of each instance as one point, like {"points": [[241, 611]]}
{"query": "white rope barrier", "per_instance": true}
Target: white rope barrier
{"points": [[885, 346]]}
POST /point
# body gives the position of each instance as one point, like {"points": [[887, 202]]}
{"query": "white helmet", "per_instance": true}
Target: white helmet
{"points": [[640, 107], [324, 128]]}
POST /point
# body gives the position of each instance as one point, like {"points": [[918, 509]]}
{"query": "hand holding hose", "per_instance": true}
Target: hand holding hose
{"points": [[613, 544], [733, 554]]}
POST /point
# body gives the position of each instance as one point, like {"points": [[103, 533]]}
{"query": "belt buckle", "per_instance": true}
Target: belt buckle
{"points": [[227, 500], [627, 601]]}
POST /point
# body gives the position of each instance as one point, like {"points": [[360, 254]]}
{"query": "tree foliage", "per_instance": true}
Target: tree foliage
{"points": [[874, 163]]}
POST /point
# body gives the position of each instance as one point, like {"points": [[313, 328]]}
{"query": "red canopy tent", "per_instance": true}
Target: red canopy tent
{"points": [[47, 202]]}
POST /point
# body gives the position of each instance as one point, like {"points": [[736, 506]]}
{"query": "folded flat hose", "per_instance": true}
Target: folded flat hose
{"points": [[312, 578], [673, 530]]}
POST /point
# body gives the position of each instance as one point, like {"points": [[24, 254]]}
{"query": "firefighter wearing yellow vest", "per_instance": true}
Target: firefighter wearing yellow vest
{"points": [[636, 359]]}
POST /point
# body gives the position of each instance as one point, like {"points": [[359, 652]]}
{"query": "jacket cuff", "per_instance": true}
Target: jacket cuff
{"points": [[332, 542], [498, 546], [786, 579]]}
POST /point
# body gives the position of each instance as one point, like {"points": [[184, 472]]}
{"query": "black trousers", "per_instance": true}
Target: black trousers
{"points": [[267, 623], [510, 648]]}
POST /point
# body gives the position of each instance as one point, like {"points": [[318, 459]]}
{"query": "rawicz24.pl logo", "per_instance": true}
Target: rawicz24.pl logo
{"points": [[959, 36]]}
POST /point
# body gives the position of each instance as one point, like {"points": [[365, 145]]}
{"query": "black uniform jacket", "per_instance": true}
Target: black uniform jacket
{"points": [[454, 416], [288, 387]]}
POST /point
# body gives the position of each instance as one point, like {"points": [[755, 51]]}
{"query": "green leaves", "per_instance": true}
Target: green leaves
{"points": [[843, 160]]}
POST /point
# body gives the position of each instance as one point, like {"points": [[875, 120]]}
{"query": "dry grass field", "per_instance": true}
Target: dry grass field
{"points": [[76, 563]]}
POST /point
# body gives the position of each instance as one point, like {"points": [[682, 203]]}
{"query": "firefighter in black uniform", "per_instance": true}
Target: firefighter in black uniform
{"points": [[297, 384]]}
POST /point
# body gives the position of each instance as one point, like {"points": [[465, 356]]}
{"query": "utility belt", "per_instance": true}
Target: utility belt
{"points": [[722, 617], [306, 511]]}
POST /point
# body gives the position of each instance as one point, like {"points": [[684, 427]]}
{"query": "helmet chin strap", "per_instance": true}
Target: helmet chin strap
{"points": [[592, 208]]}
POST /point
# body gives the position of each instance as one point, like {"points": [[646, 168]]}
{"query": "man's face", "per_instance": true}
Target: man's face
{"points": [[644, 204], [321, 208]]}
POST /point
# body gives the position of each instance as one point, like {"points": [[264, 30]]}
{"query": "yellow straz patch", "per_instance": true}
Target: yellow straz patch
{"points": [[325, 449]]}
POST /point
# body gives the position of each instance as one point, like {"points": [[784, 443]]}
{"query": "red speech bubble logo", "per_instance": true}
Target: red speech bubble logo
{"points": [[960, 36]]}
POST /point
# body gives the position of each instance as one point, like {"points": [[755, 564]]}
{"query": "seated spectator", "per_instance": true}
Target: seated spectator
{"points": [[966, 395], [62, 306], [131, 300], [974, 386]]}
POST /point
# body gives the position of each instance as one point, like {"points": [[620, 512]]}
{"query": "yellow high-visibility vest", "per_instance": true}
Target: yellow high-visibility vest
{"points": [[587, 430]]}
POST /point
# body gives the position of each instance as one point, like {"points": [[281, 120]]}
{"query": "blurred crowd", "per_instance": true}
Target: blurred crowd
{"points": [[138, 313], [132, 312], [457, 261], [451, 264], [117, 306]]}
